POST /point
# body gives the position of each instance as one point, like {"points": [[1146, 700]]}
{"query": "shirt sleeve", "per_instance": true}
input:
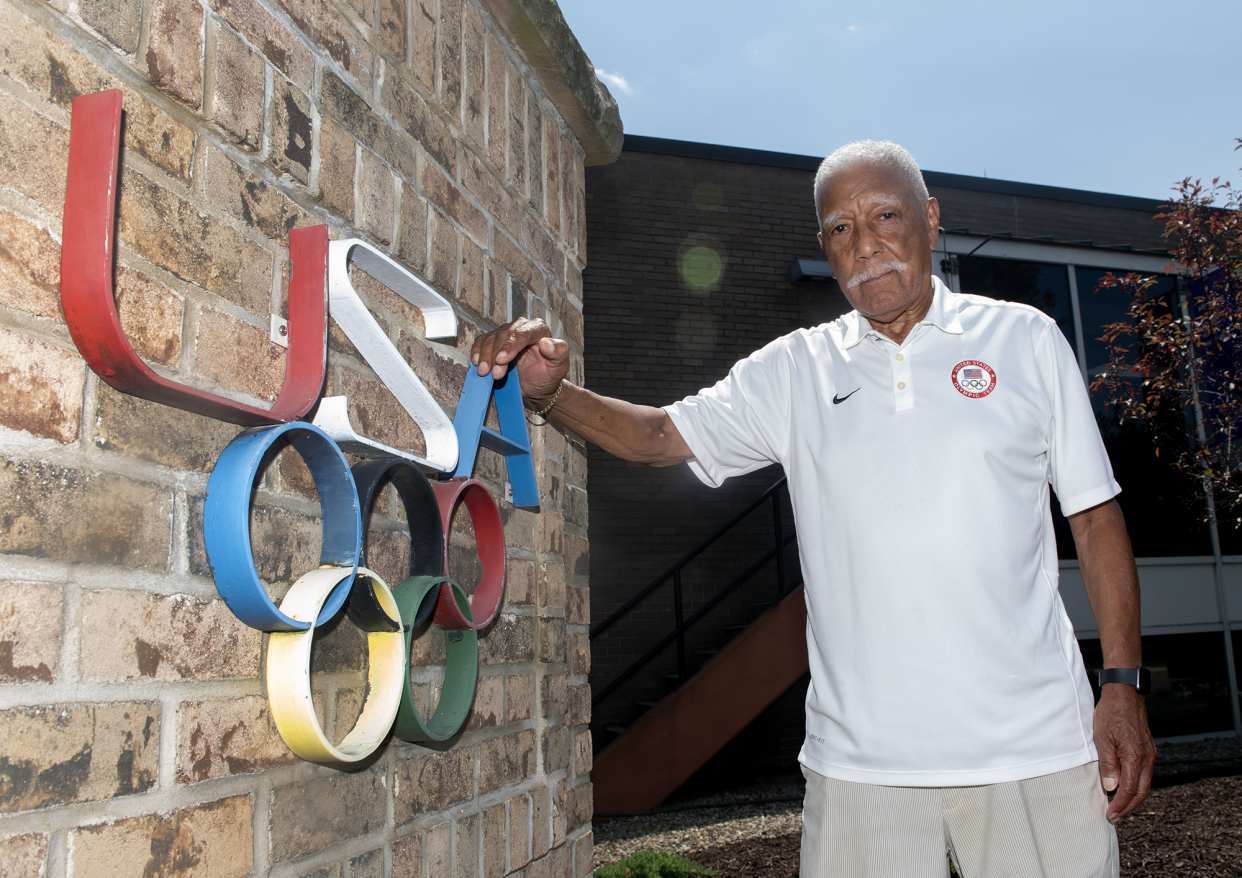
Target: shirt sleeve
{"points": [[741, 423], [1079, 469]]}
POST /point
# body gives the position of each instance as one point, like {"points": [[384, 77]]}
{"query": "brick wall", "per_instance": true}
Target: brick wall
{"points": [[136, 738], [656, 333]]}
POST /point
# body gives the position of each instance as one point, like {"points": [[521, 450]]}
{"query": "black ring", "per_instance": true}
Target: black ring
{"points": [[426, 532]]}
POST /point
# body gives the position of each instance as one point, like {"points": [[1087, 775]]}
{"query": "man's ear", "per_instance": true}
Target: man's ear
{"points": [[933, 220]]}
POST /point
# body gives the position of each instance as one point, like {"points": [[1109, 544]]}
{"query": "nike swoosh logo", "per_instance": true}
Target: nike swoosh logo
{"points": [[837, 400]]}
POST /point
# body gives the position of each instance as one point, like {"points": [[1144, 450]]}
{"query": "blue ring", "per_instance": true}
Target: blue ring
{"points": [[226, 521]]}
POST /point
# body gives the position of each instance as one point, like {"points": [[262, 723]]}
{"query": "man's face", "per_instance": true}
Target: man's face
{"points": [[878, 235]]}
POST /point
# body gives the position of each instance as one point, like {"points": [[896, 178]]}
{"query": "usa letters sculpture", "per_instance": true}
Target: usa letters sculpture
{"points": [[319, 285]]}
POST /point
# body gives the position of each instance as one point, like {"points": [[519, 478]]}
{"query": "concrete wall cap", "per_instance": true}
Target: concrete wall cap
{"points": [[539, 31]]}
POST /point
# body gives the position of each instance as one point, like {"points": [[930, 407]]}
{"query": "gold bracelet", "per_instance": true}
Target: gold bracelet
{"points": [[547, 408]]}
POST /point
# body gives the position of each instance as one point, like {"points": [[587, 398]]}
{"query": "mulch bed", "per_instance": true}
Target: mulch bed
{"points": [[1191, 830]]}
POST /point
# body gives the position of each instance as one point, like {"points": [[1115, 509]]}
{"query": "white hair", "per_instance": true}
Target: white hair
{"points": [[865, 151]]}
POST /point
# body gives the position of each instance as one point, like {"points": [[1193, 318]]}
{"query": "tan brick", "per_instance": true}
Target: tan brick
{"points": [[579, 190], [521, 529], [537, 242], [507, 760], [375, 201], [521, 583], [29, 631], [250, 199], [584, 860], [552, 188], [331, 31], [392, 26], [569, 160], [519, 265], [583, 753], [534, 152], [521, 697], [290, 132], [437, 850], [489, 701], [471, 281], [553, 695], [57, 754], [444, 194], [497, 293], [540, 823], [174, 235], [175, 50], [445, 256], [151, 316], [117, 20], [497, 109], [577, 549], [410, 112], [423, 43], [238, 356], [519, 831], [29, 268], [474, 111], [552, 640], [236, 76], [128, 635], [412, 241], [431, 782], [449, 33], [24, 856], [577, 805], [159, 433], [578, 606], [551, 533], [468, 829], [368, 865], [41, 388], [336, 169], [227, 737], [77, 516], [578, 713], [515, 156], [574, 505], [33, 153], [580, 654], [557, 746], [213, 840], [483, 185], [287, 53], [494, 841], [552, 584], [309, 817], [407, 857]]}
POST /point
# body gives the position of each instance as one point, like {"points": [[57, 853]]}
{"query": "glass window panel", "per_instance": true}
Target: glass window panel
{"points": [[1189, 682], [1102, 307], [1039, 284]]}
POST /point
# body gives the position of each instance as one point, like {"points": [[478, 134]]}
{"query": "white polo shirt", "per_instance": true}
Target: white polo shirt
{"points": [[940, 652]]}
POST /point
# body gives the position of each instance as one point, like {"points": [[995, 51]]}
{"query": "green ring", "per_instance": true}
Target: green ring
{"points": [[461, 666]]}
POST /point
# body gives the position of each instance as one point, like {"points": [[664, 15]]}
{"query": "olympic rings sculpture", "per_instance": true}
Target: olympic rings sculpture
{"points": [[389, 616]]}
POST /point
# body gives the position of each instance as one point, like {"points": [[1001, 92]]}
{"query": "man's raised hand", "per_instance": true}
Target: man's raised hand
{"points": [[542, 361]]}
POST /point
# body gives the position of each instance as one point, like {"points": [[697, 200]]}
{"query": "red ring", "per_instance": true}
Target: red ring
{"points": [[489, 540]]}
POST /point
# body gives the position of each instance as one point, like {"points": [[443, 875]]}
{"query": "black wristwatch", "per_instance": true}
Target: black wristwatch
{"points": [[1139, 678]]}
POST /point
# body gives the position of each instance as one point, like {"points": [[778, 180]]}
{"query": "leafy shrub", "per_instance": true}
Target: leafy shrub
{"points": [[652, 864]]}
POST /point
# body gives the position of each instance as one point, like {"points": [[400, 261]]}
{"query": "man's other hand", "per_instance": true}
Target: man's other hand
{"points": [[1127, 751], [542, 361]]}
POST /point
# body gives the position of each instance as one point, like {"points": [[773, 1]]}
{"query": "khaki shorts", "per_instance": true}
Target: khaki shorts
{"points": [[1045, 827]]}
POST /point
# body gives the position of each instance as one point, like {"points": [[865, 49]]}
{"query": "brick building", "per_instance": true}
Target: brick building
{"points": [[700, 255], [135, 734]]}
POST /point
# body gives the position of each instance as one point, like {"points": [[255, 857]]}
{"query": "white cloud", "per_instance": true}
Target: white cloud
{"points": [[854, 28], [616, 80]]}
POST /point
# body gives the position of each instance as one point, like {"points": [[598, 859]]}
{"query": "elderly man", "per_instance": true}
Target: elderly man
{"points": [[948, 708]]}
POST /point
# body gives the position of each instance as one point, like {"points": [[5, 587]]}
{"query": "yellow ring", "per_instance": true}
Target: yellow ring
{"points": [[289, 682]]}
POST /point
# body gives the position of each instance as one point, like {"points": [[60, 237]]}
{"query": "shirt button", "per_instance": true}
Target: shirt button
{"points": [[901, 385], [900, 357]]}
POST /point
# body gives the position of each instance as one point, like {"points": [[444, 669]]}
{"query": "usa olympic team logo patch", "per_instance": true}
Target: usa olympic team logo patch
{"points": [[973, 378]]}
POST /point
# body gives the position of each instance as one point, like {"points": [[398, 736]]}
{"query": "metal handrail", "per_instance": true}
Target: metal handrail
{"points": [[683, 625]]}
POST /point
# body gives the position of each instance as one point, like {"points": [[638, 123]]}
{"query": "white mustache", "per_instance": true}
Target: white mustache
{"points": [[873, 273]]}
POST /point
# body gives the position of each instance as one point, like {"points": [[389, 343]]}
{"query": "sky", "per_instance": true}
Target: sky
{"points": [[1122, 97]]}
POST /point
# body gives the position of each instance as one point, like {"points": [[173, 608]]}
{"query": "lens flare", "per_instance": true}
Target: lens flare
{"points": [[707, 196], [701, 268]]}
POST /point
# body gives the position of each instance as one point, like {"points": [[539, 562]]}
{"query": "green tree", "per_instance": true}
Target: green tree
{"points": [[1176, 365]]}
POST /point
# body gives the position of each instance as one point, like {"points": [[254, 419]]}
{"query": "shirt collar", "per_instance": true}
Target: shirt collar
{"points": [[942, 314]]}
